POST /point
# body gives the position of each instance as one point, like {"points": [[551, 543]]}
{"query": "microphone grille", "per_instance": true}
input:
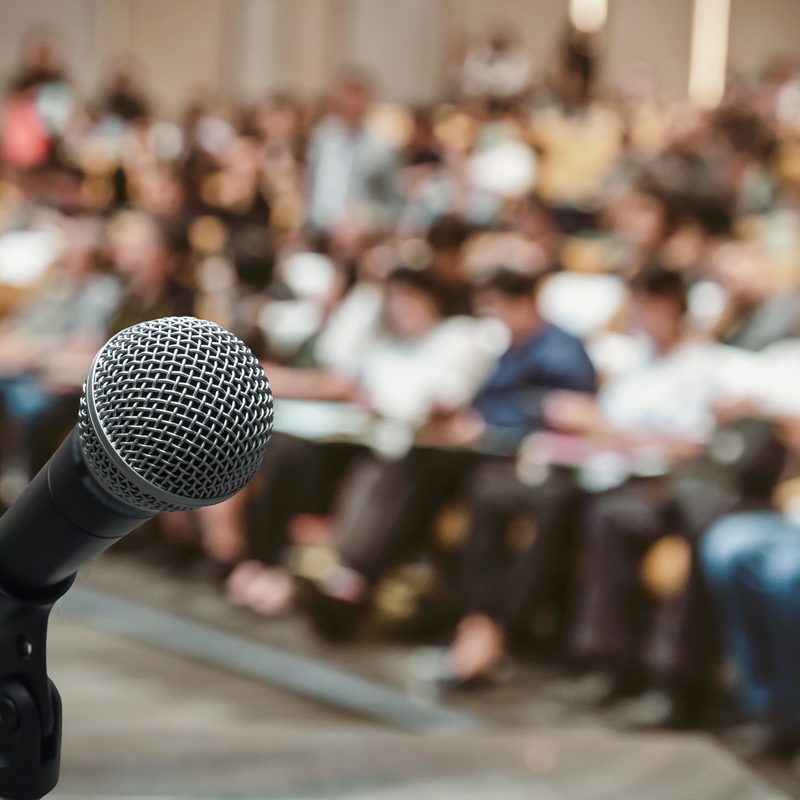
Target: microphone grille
{"points": [[176, 414]]}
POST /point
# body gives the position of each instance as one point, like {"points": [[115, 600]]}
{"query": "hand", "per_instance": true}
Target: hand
{"points": [[573, 412], [731, 409], [790, 434], [460, 429], [64, 369], [17, 354], [465, 428]]}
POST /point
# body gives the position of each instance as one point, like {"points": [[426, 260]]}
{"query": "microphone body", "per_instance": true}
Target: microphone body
{"points": [[175, 414], [61, 520]]}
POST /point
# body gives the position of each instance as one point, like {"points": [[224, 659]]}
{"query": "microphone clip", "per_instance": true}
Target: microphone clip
{"points": [[30, 706]]}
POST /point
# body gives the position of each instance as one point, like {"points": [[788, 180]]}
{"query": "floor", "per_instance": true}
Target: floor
{"points": [[170, 693]]}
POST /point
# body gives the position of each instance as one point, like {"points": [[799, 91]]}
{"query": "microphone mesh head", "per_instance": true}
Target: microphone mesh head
{"points": [[176, 414]]}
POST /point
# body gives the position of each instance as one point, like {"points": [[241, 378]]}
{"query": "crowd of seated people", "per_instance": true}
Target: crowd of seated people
{"points": [[533, 349]]}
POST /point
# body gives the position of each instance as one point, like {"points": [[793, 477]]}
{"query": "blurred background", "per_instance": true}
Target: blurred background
{"points": [[525, 278]]}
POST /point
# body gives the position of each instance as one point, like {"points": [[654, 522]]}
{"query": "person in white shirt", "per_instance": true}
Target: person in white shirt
{"points": [[410, 361], [668, 406], [497, 67], [664, 402], [352, 175]]}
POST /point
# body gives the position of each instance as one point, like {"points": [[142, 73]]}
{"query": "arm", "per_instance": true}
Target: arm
{"points": [[519, 406], [568, 375], [309, 384]]}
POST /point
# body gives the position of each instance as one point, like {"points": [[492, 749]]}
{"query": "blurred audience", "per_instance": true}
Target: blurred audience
{"points": [[391, 504], [534, 338]]}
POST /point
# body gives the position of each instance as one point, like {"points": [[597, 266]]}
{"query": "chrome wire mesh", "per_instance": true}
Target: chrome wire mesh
{"points": [[176, 414]]}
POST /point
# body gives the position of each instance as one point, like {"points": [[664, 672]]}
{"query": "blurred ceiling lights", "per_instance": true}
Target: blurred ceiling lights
{"points": [[709, 51], [588, 15]]}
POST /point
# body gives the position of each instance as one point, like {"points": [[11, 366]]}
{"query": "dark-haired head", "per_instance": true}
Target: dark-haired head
{"points": [[510, 296], [149, 252], [352, 95], [657, 281], [419, 279], [659, 304], [510, 282], [173, 236], [448, 232], [413, 302]]}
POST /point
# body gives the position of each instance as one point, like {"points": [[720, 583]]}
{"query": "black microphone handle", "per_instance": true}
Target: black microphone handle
{"points": [[62, 519]]}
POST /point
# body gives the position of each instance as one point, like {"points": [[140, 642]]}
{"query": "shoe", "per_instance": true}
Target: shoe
{"points": [[760, 739], [331, 618], [596, 688], [429, 673], [783, 746], [655, 709], [749, 738]]}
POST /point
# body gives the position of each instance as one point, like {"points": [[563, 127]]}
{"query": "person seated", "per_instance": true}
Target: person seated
{"points": [[636, 410], [414, 360], [496, 66], [665, 410], [758, 312], [47, 346], [751, 562], [352, 176], [151, 256], [391, 503], [301, 475]]}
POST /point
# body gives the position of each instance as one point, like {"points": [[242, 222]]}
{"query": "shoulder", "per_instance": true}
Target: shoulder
{"points": [[558, 337], [324, 129]]}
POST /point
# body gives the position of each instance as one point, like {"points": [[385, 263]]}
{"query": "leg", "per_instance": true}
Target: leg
{"points": [[495, 497], [389, 506], [620, 526], [542, 568], [386, 511], [222, 529], [771, 580], [284, 487], [501, 578], [518, 542], [280, 490], [727, 546]]}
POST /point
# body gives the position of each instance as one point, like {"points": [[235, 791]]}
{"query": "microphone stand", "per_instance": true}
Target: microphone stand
{"points": [[30, 706]]}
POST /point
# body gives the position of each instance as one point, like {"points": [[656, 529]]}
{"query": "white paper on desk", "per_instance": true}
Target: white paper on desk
{"points": [[312, 419], [769, 378], [25, 256], [739, 374], [777, 386]]}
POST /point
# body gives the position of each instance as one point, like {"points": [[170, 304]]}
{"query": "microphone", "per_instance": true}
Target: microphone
{"points": [[175, 414]]}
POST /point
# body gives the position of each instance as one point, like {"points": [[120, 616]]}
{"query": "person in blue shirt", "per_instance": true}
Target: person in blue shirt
{"points": [[389, 510], [751, 562], [541, 358], [752, 566]]}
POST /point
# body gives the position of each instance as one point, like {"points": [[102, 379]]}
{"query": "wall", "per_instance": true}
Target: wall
{"points": [[252, 46], [399, 42], [184, 44], [651, 31], [76, 22], [538, 24], [762, 29]]}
